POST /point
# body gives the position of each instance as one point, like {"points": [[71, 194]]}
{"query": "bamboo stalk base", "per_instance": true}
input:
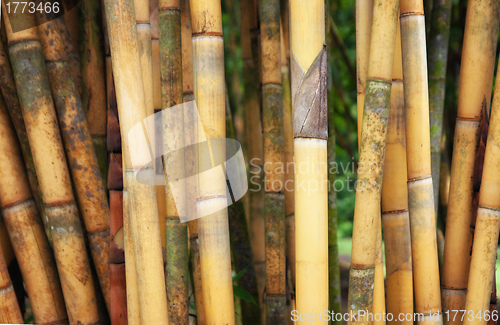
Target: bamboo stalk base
{"points": [[361, 300], [276, 309]]}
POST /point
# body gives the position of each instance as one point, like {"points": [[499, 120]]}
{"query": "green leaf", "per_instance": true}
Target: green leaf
{"points": [[240, 273], [243, 294]]}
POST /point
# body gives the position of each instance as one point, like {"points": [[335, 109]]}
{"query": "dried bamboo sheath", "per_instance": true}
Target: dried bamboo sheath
{"points": [[420, 196], [82, 159], [142, 206], [172, 95], [55, 184], [476, 77], [26, 231]]}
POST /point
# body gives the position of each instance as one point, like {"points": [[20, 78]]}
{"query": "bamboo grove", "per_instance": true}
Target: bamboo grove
{"points": [[179, 162]]}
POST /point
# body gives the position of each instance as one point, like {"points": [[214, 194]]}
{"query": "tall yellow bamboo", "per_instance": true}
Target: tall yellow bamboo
{"points": [[10, 313], [476, 77], [310, 131], [78, 145], [26, 230], [484, 250], [420, 196], [55, 182], [255, 142], [187, 89], [364, 16], [395, 216], [209, 93], [366, 238], [142, 207], [274, 199]]}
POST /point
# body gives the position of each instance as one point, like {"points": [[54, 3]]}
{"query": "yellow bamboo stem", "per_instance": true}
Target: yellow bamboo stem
{"points": [[209, 93], [26, 230], [50, 163], [142, 205], [484, 250], [476, 77], [9, 308], [420, 196], [395, 216]]}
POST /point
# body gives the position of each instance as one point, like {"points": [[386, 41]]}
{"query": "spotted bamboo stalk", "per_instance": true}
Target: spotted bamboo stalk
{"points": [[26, 230], [476, 78], [55, 182], [70, 35]]}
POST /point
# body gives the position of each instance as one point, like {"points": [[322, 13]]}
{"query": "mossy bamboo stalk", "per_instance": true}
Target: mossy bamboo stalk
{"points": [[9, 91], [274, 198], [118, 292], [483, 259], [255, 143], [240, 245], [209, 93], [395, 215], [142, 205], [437, 61], [77, 141], [364, 17], [187, 89], [366, 228], [10, 313], [476, 77], [171, 95], [334, 289], [310, 131], [420, 197], [26, 230], [93, 78], [55, 183]]}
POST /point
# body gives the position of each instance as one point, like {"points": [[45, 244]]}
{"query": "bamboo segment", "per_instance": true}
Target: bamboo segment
{"points": [[93, 78], [71, 45], [482, 267], [366, 227], [364, 17], [9, 308], [420, 196], [26, 230], [145, 51], [172, 95], [209, 93], [274, 205], [476, 76], [118, 292], [55, 183], [8, 88], [308, 66], [253, 129], [77, 141], [438, 58], [395, 216], [142, 206]]}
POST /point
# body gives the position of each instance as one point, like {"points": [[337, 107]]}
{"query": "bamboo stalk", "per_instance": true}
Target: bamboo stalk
{"points": [[476, 77], [71, 44], [118, 292], [366, 238], [26, 230], [142, 206], [364, 17], [209, 93], [8, 88], [395, 216], [274, 205], [420, 197], [93, 78], [55, 183], [253, 132], [437, 61], [308, 67], [10, 313], [483, 259], [172, 95], [78, 145]]}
